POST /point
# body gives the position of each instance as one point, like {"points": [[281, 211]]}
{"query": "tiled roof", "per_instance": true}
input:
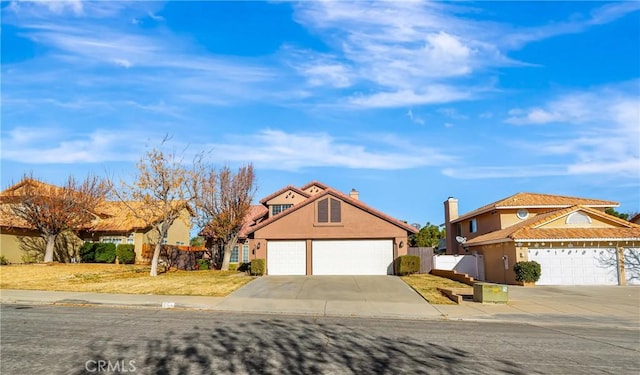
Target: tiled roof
{"points": [[533, 229], [343, 197], [292, 188], [255, 213], [317, 183], [535, 200]]}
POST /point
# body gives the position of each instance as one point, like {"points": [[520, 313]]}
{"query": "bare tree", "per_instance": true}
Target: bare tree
{"points": [[159, 194], [223, 200], [52, 210]]}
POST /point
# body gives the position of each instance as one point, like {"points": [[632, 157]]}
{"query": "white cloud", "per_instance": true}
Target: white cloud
{"points": [[429, 95], [276, 149], [414, 118], [267, 149], [593, 132]]}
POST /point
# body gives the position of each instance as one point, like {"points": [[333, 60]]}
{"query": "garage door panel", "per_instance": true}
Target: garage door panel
{"points": [[576, 266], [352, 257], [286, 258]]}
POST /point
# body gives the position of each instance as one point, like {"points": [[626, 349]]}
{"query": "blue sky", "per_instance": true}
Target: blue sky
{"points": [[409, 102]]}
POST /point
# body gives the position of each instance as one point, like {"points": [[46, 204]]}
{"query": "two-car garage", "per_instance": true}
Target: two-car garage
{"points": [[331, 257]]}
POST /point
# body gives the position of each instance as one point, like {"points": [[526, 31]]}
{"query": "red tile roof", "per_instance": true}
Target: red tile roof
{"points": [[533, 229], [535, 200]]}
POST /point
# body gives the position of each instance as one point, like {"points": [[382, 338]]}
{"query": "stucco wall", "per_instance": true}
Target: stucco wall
{"points": [[494, 263], [301, 225], [10, 247]]}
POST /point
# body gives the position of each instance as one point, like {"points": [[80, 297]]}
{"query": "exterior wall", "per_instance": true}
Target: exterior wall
{"points": [[300, 225], [595, 223], [313, 190], [288, 197], [10, 246], [179, 232], [494, 263]]}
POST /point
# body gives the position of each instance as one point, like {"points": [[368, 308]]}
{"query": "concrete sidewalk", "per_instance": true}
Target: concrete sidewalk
{"points": [[602, 306]]}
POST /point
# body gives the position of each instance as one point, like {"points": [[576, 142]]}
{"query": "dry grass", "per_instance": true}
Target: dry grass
{"points": [[126, 279], [426, 285]]}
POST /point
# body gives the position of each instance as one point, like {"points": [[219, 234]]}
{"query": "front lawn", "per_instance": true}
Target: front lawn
{"points": [[126, 279], [427, 284]]}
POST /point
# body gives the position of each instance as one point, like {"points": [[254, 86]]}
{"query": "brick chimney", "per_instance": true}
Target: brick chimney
{"points": [[451, 213], [354, 194]]}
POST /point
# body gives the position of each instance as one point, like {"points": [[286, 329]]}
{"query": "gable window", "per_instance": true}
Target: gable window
{"points": [[277, 208], [234, 255], [578, 218], [329, 211], [473, 226]]}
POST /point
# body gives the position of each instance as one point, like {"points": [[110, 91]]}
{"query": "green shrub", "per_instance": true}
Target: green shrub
{"points": [[233, 266], [3, 260], [258, 267], [527, 271], [88, 252], [244, 267], [407, 264], [105, 253], [126, 253], [203, 264]]}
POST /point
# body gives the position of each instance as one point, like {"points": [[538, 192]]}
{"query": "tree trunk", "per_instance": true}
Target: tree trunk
{"points": [[51, 244], [226, 257], [154, 260]]}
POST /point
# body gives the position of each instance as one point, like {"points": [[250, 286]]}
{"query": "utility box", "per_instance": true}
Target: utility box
{"points": [[490, 293]]}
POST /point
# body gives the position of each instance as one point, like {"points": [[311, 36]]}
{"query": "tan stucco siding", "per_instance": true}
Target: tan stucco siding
{"points": [[561, 222], [494, 262], [288, 197], [301, 225], [179, 232], [10, 247]]}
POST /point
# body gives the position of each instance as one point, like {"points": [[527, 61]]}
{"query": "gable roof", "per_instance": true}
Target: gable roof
{"points": [[15, 190], [533, 229], [284, 189], [535, 200], [343, 197], [316, 183]]}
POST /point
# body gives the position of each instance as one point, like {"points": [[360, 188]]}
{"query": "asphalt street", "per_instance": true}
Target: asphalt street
{"points": [[89, 340]]}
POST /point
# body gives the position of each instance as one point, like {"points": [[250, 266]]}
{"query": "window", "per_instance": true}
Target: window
{"points": [[277, 208], [115, 240], [130, 239], [578, 218], [245, 253], [459, 229], [234, 255], [522, 213], [473, 226], [329, 211]]}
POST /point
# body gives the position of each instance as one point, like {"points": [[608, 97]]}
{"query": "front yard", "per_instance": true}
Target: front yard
{"points": [[125, 279], [427, 284]]}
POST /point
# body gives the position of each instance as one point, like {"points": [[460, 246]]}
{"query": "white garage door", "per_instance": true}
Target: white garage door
{"points": [[632, 265], [356, 257], [286, 258], [576, 266]]}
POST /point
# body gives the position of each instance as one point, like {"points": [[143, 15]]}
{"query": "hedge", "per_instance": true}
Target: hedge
{"points": [[407, 264], [258, 266], [203, 264], [105, 253], [88, 252], [126, 253], [528, 272]]}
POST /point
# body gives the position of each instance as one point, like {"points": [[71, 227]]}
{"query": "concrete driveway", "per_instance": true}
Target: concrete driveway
{"points": [[363, 296], [334, 288]]}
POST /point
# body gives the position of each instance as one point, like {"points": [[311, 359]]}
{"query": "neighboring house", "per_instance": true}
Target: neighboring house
{"points": [[316, 230], [635, 219], [114, 222], [572, 238]]}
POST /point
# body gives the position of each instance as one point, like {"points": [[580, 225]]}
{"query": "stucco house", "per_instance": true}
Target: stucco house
{"points": [[573, 239], [114, 222], [317, 230]]}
